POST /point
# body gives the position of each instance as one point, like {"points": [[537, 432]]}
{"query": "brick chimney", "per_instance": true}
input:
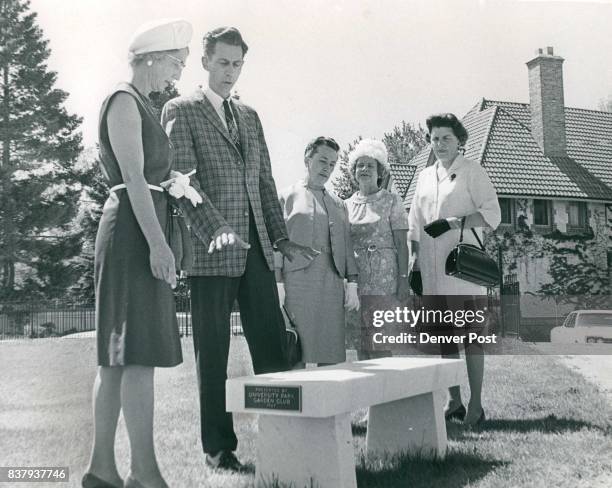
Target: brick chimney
{"points": [[546, 100]]}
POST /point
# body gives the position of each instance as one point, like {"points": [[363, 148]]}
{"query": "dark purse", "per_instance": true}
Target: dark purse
{"points": [[470, 263], [293, 346]]}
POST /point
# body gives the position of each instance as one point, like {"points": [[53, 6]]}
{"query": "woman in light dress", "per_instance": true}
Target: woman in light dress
{"points": [[315, 293], [378, 226], [452, 188]]}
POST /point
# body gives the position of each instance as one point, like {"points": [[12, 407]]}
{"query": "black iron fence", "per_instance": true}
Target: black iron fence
{"points": [[56, 318]]}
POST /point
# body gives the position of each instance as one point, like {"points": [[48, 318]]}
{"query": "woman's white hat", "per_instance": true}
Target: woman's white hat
{"points": [[161, 35], [370, 147]]}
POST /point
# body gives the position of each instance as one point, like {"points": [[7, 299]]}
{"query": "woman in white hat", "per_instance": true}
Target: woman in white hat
{"points": [[379, 225], [134, 265]]}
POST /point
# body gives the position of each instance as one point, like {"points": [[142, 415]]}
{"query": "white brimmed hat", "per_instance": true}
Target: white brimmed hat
{"points": [[161, 35]]}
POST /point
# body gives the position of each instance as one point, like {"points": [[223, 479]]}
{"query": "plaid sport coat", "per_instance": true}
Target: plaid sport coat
{"points": [[226, 180]]}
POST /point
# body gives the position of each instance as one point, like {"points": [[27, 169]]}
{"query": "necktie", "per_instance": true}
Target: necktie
{"points": [[231, 125]]}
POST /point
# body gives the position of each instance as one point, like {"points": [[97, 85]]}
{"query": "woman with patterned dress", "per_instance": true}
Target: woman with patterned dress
{"points": [[447, 191], [315, 295], [134, 265], [379, 225]]}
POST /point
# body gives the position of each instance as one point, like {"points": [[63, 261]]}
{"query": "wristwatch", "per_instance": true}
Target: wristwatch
{"points": [[403, 276]]}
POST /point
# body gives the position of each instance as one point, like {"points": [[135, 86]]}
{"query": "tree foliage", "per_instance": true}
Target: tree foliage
{"points": [[39, 144], [573, 275], [404, 142], [605, 104], [343, 183]]}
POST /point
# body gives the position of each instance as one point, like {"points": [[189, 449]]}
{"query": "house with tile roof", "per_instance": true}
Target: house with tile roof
{"points": [[551, 166]]}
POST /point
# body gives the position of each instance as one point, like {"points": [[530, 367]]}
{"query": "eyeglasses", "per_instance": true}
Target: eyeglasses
{"points": [[175, 59]]}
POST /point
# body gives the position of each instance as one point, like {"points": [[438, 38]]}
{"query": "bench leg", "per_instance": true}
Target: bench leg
{"points": [[296, 450], [413, 425]]}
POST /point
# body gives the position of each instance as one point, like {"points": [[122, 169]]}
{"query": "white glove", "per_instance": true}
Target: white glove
{"points": [[179, 187], [351, 298], [281, 293]]}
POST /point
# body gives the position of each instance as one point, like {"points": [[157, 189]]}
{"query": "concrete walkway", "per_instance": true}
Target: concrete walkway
{"points": [[596, 368]]}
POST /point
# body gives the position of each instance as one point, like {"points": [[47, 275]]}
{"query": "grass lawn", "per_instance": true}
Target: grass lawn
{"points": [[546, 426]]}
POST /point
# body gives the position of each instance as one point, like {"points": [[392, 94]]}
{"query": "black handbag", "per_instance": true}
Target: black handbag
{"points": [[470, 263], [293, 346]]}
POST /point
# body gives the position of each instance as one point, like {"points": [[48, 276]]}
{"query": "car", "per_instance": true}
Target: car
{"points": [[584, 326]]}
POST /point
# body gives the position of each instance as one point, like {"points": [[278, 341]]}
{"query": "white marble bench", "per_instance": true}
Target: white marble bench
{"points": [[304, 415]]}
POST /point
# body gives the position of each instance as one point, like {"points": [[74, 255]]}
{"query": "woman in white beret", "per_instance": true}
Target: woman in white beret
{"points": [[379, 224], [134, 265]]}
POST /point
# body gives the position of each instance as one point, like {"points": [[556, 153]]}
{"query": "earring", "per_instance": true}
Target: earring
{"points": [[150, 63]]}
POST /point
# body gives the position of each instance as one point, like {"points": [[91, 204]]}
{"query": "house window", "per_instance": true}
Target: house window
{"points": [[577, 214], [507, 211], [542, 213]]}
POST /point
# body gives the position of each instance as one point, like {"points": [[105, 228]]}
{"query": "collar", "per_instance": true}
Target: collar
{"points": [[304, 184], [358, 198], [215, 100], [457, 163]]}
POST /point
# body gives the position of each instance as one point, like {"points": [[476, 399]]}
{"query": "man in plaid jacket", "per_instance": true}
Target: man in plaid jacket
{"points": [[233, 232]]}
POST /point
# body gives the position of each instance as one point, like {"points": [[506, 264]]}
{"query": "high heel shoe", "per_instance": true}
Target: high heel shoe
{"points": [[458, 413], [132, 483], [92, 481], [480, 420]]}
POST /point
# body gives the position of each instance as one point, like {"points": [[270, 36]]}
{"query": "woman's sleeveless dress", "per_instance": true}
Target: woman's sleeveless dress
{"points": [[135, 312]]}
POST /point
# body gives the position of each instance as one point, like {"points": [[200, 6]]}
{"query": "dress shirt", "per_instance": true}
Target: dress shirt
{"points": [[217, 102]]}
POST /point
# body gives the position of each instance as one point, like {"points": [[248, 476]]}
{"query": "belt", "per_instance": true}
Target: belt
{"points": [[373, 247], [121, 186]]}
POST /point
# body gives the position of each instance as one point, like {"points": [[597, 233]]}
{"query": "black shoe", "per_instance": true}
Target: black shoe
{"points": [[225, 460], [480, 420], [459, 414], [92, 481]]}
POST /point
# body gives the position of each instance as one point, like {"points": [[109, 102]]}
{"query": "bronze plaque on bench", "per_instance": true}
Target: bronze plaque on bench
{"points": [[269, 397]]}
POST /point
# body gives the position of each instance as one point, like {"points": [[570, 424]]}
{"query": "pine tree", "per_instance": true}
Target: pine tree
{"points": [[94, 192], [39, 142]]}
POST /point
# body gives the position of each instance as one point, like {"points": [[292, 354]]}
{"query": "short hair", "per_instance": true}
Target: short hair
{"points": [[446, 120], [374, 149], [228, 35], [320, 141]]}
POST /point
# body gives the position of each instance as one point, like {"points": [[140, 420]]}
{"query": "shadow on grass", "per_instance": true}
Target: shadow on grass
{"points": [[547, 425], [248, 468], [454, 471]]}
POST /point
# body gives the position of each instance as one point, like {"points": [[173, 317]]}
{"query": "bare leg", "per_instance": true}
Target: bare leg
{"points": [[454, 392], [106, 407], [475, 370], [137, 399]]}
